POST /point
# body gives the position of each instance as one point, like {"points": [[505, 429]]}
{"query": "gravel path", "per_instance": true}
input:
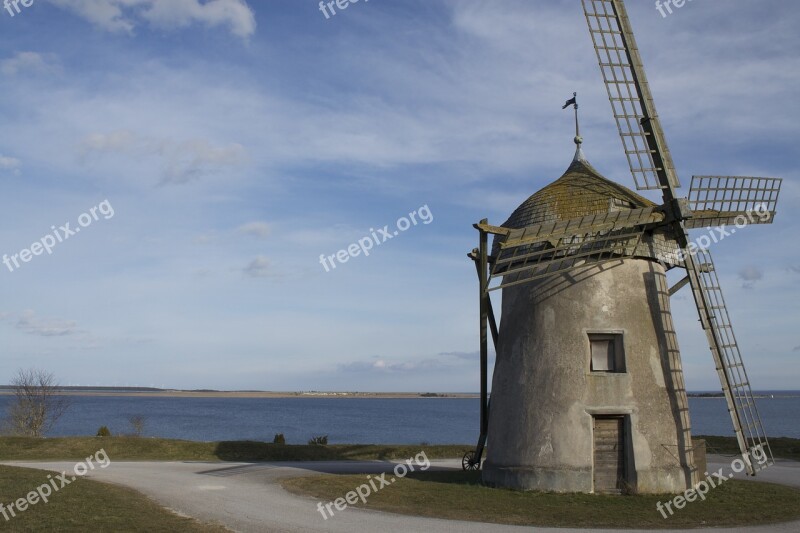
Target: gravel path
{"points": [[247, 497]]}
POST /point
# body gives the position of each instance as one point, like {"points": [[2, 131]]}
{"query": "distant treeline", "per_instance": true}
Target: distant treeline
{"points": [[96, 389]]}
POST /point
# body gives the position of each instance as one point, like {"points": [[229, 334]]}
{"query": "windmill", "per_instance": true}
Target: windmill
{"points": [[587, 249]]}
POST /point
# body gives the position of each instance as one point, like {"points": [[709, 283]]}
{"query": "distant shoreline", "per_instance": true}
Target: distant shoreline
{"points": [[147, 392], [254, 394], [756, 395]]}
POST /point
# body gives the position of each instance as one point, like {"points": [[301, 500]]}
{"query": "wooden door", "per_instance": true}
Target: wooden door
{"points": [[609, 454]]}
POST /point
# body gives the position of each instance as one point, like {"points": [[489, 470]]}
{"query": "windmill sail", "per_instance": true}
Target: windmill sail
{"points": [[549, 231], [731, 193], [639, 128], [523, 263], [730, 367]]}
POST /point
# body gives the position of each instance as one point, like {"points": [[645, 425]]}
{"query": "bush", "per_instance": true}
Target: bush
{"points": [[137, 423], [279, 439], [103, 432], [36, 404], [318, 441]]}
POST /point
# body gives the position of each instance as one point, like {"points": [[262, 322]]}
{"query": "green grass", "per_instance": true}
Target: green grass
{"points": [[147, 449], [86, 505], [782, 447], [154, 449], [459, 496]]}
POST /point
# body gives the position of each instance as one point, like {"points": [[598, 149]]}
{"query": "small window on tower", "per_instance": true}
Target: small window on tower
{"points": [[606, 353]]}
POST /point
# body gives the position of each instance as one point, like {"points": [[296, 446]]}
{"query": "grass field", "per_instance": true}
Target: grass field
{"points": [[86, 505], [459, 496]]}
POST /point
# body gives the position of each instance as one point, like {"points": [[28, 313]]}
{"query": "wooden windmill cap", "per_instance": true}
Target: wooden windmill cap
{"points": [[581, 191]]}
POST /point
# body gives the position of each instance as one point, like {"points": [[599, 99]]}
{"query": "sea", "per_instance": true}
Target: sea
{"points": [[352, 420]]}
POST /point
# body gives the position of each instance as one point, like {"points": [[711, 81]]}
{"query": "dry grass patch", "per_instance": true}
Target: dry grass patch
{"points": [[86, 505], [460, 496]]}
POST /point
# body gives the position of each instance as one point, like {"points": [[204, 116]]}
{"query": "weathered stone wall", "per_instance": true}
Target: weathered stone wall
{"points": [[544, 395]]}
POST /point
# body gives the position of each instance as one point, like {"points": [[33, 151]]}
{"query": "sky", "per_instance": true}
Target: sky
{"points": [[211, 151]]}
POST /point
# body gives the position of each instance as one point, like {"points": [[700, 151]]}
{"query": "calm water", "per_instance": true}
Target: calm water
{"points": [[349, 420]]}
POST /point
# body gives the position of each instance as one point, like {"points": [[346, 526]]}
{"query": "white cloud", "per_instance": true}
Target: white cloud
{"points": [[235, 14], [260, 230], [182, 161], [10, 163], [45, 327], [124, 15], [381, 365], [105, 14], [260, 267], [203, 239], [116, 141], [30, 61], [454, 361], [462, 355], [189, 160]]}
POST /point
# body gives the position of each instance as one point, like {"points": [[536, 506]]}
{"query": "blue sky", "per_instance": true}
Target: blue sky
{"points": [[238, 141]]}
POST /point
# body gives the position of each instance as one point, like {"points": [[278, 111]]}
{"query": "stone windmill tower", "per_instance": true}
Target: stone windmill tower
{"points": [[588, 392]]}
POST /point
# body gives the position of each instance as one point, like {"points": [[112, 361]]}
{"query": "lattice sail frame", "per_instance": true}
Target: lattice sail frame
{"points": [[617, 219], [629, 93], [734, 193], [523, 263], [728, 200], [730, 366]]}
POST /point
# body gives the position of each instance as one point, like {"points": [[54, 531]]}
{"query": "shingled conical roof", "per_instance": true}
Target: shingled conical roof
{"points": [[580, 191]]}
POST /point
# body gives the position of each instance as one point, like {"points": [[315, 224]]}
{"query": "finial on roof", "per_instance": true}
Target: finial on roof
{"points": [[578, 139], [579, 155]]}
